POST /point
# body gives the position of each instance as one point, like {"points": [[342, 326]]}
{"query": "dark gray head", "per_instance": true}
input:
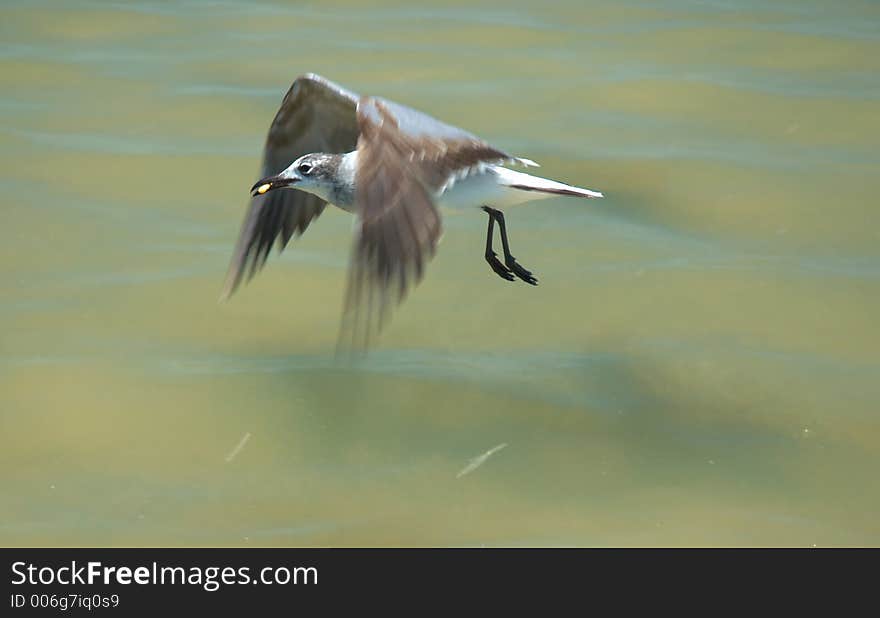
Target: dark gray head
{"points": [[315, 173]]}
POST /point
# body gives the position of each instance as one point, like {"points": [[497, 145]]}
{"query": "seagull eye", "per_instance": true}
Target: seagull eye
{"points": [[304, 169]]}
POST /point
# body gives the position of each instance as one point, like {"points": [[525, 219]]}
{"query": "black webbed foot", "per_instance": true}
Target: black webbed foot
{"points": [[515, 267], [499, 268]]}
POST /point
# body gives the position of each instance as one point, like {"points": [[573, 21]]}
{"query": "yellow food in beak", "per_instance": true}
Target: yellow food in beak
{"points": [[263, 188]]}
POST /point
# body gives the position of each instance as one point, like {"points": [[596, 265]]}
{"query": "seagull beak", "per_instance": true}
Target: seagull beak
{"points": [[271, 183]]}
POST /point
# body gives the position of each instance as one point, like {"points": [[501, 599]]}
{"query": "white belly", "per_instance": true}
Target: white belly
{"points": [[485, 190]]}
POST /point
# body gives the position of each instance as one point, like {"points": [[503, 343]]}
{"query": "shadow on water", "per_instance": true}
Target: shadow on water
{"points": [[409, 395], [602, 425]]}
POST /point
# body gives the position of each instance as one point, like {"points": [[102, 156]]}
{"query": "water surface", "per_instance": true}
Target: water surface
{"points": [[699, 365]]}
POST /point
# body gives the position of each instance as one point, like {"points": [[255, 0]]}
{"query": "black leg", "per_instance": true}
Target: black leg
{"points": [[491, 257], [509, 260]]}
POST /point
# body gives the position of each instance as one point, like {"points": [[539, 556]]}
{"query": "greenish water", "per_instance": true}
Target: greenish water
{"points": [[699, 365]]}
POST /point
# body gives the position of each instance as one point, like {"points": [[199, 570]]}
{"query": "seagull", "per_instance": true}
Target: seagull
{"points": [[394, 169]]}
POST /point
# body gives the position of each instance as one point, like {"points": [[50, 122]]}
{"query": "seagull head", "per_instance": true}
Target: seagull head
{"points": [[312, 173]]}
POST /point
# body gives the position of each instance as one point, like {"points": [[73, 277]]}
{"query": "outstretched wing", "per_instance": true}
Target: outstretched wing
{"points": [[404, 160], [316, 115]]}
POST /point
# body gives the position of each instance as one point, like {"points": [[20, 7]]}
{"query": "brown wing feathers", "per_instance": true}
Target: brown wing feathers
{"points": [[315, 116], [399, 225]]}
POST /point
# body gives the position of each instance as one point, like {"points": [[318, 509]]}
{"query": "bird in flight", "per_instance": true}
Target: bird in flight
{"points": [[393, 168]]}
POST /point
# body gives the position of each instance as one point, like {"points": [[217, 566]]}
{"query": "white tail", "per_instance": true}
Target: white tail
{"points": [[527, 182]]}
